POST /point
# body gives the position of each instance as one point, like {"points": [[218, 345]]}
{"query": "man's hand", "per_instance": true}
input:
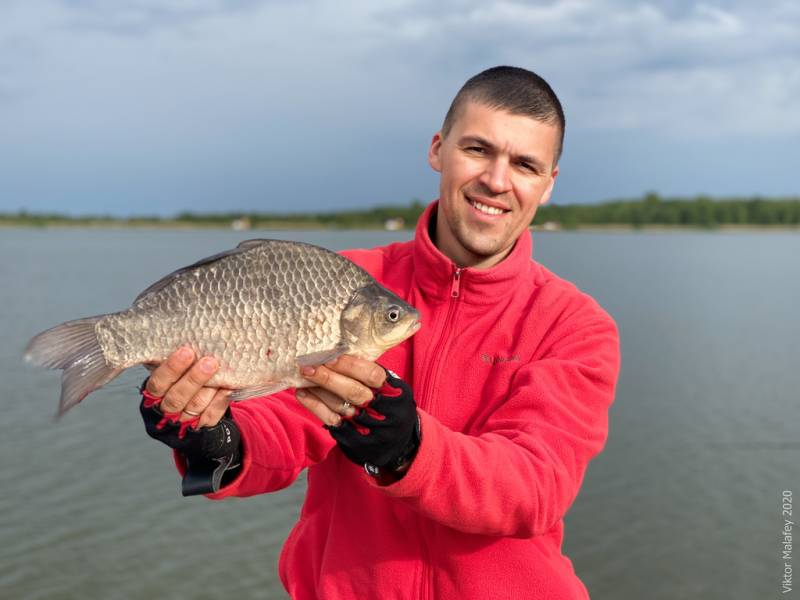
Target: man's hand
{"points": [[180, 382], [345, 384], [369, 411], [179, 411]]}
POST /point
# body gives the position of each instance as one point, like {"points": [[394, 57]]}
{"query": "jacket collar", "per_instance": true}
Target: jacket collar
{"points": [[435, 272]]}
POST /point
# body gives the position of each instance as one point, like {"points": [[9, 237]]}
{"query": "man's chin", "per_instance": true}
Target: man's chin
{"points": [[484, 249]]}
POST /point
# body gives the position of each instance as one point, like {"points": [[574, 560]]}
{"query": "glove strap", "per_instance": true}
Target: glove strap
{"points": [[204, 476]]}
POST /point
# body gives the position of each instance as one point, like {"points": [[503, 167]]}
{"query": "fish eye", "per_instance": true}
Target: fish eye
{"points": [[393, 314]]}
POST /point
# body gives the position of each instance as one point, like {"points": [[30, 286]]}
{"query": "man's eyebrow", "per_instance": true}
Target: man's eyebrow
{"points": [[476, 139]]}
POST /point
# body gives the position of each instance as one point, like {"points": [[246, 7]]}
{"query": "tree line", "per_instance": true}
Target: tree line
{"points": [[701, 211]]}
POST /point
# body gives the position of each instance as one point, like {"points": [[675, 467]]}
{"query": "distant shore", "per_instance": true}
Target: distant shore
{"points": [[627, 228], [164, 224], [649, 213], [287, 226]]}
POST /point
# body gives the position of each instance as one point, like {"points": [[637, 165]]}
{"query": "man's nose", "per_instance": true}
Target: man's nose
{"points": [[497, 176]]}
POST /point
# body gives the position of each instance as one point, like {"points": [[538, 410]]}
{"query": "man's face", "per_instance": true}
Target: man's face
{"points": [[496, 169]]}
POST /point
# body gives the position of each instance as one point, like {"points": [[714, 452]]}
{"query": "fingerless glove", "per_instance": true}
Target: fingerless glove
{"points": [[212, 454], [383, 436]]}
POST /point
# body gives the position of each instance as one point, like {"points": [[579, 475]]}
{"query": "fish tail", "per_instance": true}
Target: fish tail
{"points": [[73, 346]]}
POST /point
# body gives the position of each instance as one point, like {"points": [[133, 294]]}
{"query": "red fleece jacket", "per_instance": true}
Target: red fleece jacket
{"points": [[513, 372]]}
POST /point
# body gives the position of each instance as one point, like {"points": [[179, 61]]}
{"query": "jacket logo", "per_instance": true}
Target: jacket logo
{"points": [[493, 360]]}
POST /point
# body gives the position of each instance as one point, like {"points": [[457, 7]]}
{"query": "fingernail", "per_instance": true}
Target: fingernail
{"points": [[208, 365], [185, 353], [300, 393], [308, 370], [333, 362]]}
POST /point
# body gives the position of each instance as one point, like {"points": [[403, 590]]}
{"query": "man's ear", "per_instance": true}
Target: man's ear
{"points": [[549, 191], [434, 158]]}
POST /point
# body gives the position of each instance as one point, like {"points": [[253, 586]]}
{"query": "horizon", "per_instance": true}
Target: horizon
{"points": [[648, 210], [342, 210]]}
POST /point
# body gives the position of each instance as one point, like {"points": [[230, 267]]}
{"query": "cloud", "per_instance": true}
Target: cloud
{"points": [[325, 101], [691, 68], [139, 17]]}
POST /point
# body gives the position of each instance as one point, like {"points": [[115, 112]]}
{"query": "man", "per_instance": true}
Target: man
{"points": [[449, 475]]}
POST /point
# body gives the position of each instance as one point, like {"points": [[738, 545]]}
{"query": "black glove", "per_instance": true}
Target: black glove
{"points": [[213, 454], [384, 436]]}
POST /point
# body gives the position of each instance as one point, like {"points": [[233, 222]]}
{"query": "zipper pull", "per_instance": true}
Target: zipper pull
{"points": [[456, 283]]}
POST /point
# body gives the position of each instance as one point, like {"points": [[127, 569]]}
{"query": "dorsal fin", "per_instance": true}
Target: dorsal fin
{"points": [[167, 279], [247, 244]]}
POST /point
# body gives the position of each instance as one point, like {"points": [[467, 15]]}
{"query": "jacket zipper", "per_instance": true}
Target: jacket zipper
{"points": [[455, 288], [441, 343]]}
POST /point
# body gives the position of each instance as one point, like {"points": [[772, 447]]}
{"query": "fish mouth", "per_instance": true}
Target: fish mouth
{"points": [[415, 324]]}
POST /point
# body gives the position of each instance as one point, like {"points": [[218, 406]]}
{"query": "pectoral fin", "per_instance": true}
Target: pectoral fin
{"points": [[259, 390], [321, 357]]}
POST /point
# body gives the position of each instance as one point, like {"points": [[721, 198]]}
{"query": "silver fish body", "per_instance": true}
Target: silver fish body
{"points": [[262, 309]]}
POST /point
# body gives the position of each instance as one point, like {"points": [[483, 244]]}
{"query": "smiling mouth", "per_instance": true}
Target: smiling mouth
{"points": [[485, 208]]}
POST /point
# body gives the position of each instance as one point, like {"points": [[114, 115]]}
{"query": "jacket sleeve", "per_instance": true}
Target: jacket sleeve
{"points": [[280, 438], [521, 472]]}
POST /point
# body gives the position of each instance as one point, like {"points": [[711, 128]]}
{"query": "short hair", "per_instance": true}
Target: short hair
{"points": [[516, 90]]}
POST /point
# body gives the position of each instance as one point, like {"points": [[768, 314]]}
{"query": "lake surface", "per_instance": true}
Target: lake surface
{"points": [[684, 502]]}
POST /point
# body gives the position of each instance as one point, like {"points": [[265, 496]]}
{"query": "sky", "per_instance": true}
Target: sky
{"points": [[138, 107]]}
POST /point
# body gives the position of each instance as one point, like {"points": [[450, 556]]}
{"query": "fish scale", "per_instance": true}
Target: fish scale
{"points": [[262, 309], [281, 285]]}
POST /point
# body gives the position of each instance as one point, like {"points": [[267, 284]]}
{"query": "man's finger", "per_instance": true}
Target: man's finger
{"points": [[343, 386], [195, 407], [370, 373], [178, 396], [317, 407], [216, 409], [334, 402], [171, 370]]}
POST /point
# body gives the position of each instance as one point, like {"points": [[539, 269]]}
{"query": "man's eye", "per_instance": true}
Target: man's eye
{"points": [[476, 149], [528, 167]]}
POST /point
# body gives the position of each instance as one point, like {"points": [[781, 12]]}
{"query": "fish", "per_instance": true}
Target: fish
{"points": [[263, 310]]}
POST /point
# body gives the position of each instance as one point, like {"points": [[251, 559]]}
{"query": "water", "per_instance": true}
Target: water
{"points": [[683, 503]]}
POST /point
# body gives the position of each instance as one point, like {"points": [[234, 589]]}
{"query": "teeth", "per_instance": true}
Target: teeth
{"points": [[489, 210]]}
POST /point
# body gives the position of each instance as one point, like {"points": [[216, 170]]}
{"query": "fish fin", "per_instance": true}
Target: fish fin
{"points": [[247, 244], [73, 347], [167, 279], [252, 243], [256, 391], [62, 345], [82, 378], [321, 357]]}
